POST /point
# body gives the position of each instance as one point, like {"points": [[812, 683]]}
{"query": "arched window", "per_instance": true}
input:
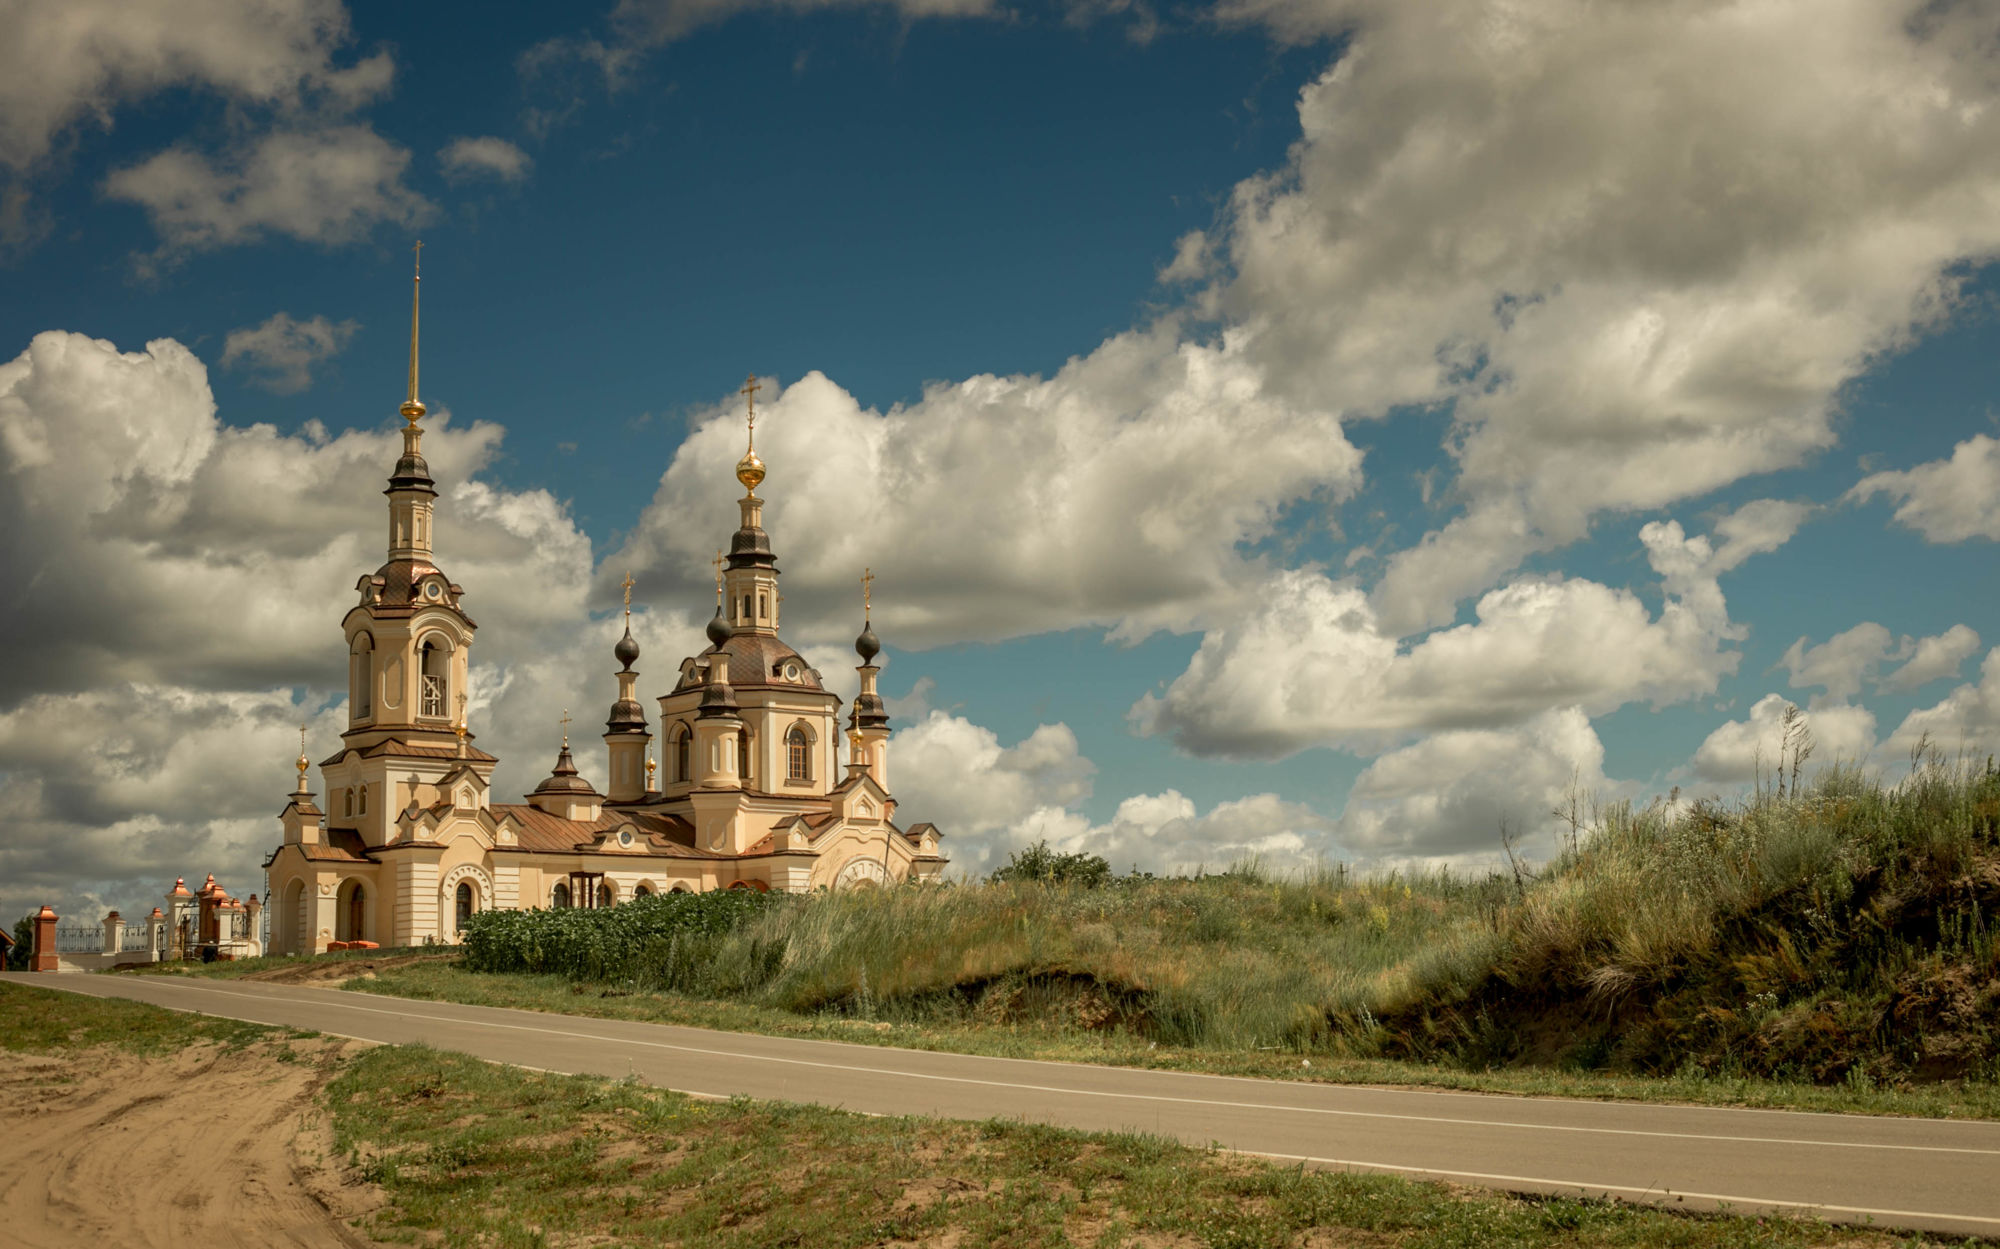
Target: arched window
{"points": [[604, 898], [347, 802], [463, 901], [559, 899], [743, 756], [643, 891], [361, 803], [435, 666], [361, 675], [798, 754], [682, 739], [761, 609], [746, 609]]}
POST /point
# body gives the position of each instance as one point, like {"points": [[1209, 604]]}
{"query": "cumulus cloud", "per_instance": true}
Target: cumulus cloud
{"points": [[1742, 750], [1844, 662], [485, 157], [82, 59], [1446, 798], [1934, 658], [1116, 493], [1966, 721], [327, 185], [1637, 248], [957, 775], [1950, 500], [1310, 663], [281, 352]]}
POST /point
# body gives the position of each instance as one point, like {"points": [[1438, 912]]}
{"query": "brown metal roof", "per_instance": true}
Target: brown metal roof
{"points": [[544, 833]]}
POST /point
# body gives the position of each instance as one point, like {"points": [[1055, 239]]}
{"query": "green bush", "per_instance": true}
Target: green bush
{"points": [[664, 941], [1055, 867], [23, 948]]}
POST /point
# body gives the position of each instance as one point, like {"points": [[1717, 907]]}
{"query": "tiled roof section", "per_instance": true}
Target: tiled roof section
{"points": [[552, 834], [815, 820], [397, 748], [917, 831], [755, 659]]}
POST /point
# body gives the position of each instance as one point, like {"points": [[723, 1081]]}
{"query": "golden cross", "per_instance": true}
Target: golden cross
{"points": [[750, 388], [718, 578], [461, 713], [627, 583], [867, 591], [302, 739], [565, 723]]}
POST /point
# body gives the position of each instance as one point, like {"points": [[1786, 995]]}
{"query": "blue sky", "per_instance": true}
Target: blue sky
{"points": [[1306, 430]]}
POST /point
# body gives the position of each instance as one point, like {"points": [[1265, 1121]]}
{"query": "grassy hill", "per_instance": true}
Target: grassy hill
{"points": [[1846, 933]]}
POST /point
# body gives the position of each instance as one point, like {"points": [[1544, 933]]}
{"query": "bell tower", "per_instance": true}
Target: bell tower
{"points": [[408, 640]]}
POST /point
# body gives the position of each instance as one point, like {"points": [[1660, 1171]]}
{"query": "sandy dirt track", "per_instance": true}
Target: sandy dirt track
{"points": [[208, 1149]]}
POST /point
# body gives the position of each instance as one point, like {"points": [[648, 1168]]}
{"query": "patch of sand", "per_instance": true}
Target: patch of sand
{"points": [[208, 1149], [333, 972]]}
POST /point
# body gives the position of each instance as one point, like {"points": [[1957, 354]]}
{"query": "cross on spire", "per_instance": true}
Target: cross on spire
{"points": [[749, 392], [718, 578], [628, 583], [413, 407], [867, 591], [565, 722]]}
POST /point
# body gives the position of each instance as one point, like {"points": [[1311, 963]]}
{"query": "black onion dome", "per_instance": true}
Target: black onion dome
{"points": [[750, 547], [867, 645], [718, 628], [627, 650], [412, 473]]}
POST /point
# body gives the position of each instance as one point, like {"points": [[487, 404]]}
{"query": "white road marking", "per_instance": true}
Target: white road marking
{"points": [[1075, 1092], [1625, 1188]]}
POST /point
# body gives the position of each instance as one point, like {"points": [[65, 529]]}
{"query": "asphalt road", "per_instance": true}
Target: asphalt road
{"points": [[1936, 1175]]}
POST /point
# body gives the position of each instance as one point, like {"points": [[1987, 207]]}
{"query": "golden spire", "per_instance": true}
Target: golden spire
{"points": [[413, 407], [303, 762], [750, 469]]}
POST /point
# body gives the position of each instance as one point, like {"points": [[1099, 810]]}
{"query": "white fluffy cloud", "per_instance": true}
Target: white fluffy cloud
{"points": [[484, 157], [1934, 658], [1638, 248], [955, 774], [330, 185], [1742, 750], [1946, 500], [282, 351], [1843, 663], [1310, 664], [1116, 493], [1447, 797], [62, 63], [1966, 721]]}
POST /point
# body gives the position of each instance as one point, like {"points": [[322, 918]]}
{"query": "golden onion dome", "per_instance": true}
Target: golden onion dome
{"points": [[750, 470]]}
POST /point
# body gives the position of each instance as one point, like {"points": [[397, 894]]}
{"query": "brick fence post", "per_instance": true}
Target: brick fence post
{"points": [[44, 957]]}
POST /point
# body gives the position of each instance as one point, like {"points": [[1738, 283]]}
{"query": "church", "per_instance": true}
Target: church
{"points": [[752, 794]]}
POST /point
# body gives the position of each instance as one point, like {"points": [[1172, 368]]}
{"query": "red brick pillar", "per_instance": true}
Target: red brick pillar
{"points": [[44, 958]]}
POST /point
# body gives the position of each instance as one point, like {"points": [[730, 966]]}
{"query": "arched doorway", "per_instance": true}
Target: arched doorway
{"points": [[463, 902], [291, 921], [351, 912]]}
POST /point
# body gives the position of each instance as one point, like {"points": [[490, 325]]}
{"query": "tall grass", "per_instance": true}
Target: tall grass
{"points": [[1843, 932]]}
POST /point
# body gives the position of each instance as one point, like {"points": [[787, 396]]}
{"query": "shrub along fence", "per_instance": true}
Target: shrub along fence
{"points": [[659, 942]]}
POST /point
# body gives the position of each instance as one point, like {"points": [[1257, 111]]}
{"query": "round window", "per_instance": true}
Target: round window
{"points": [[433, 591], [791, 672], [624, 836]]}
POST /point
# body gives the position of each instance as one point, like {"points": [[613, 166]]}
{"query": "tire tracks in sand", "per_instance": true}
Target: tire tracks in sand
{"points": [[211, 1148]]}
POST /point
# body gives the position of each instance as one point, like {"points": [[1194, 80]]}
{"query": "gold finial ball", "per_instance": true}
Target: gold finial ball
{"points": [[413, 410], [303, 764], [750, 471]]}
